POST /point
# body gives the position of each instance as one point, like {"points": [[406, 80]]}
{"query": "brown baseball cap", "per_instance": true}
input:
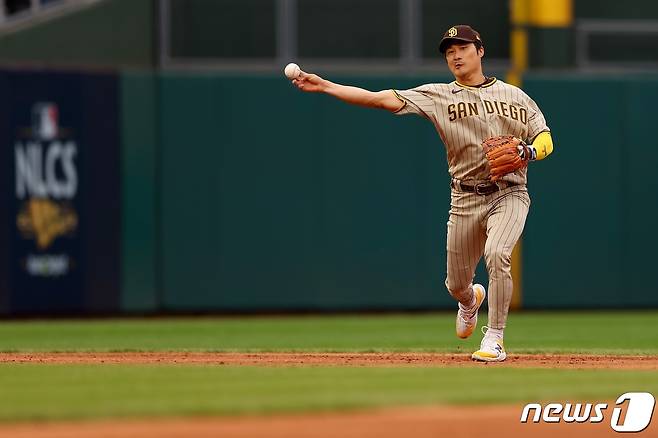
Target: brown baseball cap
{"points": [[460, 32]]}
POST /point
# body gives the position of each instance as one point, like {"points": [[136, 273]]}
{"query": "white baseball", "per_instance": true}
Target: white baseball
{"points": [[292, 70]]}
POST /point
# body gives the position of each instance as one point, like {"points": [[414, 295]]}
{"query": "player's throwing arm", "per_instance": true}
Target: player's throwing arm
{"points": [[313, 83]]}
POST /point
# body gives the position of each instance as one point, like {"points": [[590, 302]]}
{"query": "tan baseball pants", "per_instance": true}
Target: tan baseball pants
{"points": [[490, 225]]}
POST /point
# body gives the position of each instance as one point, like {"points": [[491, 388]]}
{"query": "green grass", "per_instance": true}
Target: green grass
{"points": [[55, 392], [577, 332], [33, 392]]}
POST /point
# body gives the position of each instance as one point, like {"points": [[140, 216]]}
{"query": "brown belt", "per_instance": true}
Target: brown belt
{"points": [[481, 188]]}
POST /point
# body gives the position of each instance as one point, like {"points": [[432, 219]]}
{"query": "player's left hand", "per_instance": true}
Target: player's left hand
{"points": [[505, 154]]}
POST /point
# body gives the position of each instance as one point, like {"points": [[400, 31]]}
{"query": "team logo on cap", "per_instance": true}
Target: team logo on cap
{"points": [[452, 32]]}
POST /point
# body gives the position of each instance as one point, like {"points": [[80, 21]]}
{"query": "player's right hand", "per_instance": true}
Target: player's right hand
{"points": [[309, 82]]}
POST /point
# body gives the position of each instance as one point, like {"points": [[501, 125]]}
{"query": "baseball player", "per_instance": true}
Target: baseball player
{"points": [[489, 199]]}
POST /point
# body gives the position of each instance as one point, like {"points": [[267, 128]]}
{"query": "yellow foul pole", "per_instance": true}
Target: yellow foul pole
{"points": [[538, 15], [519, 18]]}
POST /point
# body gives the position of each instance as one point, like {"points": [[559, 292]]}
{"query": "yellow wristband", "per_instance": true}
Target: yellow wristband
{"points": [[543, 145]]}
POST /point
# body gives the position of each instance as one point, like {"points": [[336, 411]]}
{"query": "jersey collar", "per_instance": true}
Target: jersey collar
{"points": [[487, 83]]}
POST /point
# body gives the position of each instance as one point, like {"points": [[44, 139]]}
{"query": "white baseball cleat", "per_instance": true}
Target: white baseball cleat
{"points": [[491, 348], [467, 319]]}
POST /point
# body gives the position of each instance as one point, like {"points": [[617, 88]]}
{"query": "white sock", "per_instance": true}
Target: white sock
{"points": [[498, 333]]}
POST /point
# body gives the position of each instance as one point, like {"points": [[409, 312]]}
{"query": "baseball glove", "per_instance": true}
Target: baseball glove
{"points": [[505, 154]]}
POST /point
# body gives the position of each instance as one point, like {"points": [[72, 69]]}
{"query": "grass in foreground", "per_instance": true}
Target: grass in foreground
{"points": [[57, 392], [570, 332]]}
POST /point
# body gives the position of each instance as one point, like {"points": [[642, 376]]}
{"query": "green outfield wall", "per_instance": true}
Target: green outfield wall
{"points": [[589, 239], [276, 200], [139, 154], [242, 194], [203, 192]]}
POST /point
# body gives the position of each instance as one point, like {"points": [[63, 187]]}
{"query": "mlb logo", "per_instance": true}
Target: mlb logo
{"points": [[45, 123]]}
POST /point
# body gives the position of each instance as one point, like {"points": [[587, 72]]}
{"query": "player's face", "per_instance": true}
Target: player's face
{"points": [[464, 59]]}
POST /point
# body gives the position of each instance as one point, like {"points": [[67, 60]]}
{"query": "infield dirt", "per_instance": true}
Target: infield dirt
{"points": [[580, 361], [417, 422]]}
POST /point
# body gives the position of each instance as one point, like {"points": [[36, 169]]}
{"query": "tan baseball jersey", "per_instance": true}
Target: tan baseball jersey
{"points": [[464, 116]]}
